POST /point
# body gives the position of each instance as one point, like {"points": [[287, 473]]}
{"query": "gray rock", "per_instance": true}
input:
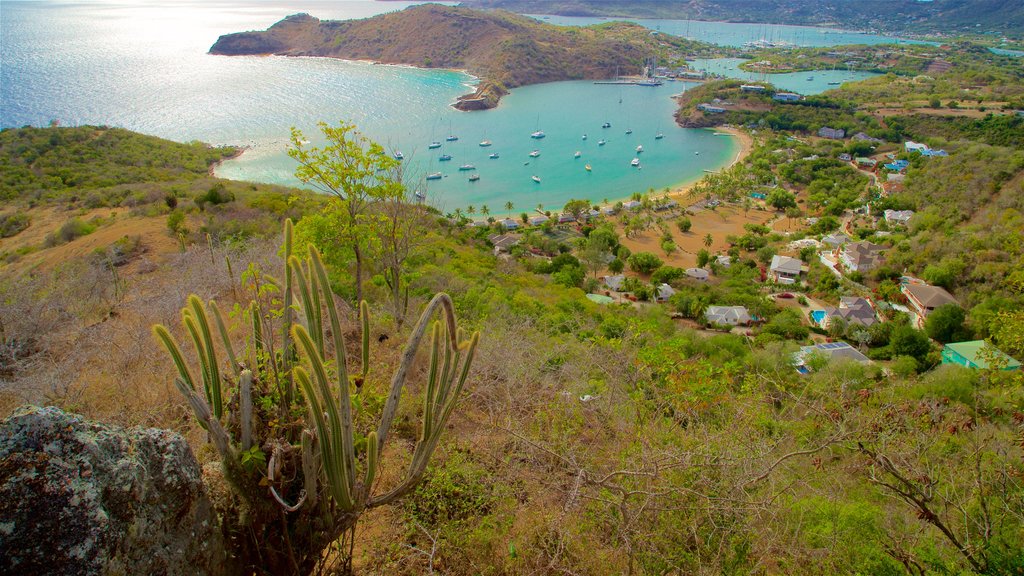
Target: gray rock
{"points": [[77, 497]]}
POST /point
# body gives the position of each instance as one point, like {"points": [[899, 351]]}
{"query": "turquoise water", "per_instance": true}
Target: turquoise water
{"points": [[807, 83], [1007, 52], [737, 34], [145, 67], [817, 316], [563, 110]]}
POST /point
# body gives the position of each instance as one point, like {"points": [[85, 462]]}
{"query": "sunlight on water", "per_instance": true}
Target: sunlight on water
{"points": [[144, 66]]}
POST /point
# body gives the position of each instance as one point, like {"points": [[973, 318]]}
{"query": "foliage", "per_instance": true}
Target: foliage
{"points": [[322, 475], [13, 224], [643, 262], [945, 324]]}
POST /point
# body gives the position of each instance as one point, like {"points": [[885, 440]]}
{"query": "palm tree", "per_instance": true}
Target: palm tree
{"points": [[485, 210], [540, 208], [471, 209], [458, 214], [509, 206], [708, 241]]}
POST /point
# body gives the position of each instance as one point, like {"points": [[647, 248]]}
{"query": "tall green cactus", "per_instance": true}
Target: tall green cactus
{"points": [[325, 477]]}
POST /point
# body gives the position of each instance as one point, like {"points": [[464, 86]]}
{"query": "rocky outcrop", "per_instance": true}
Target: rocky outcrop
{"points": [[81, 498], [486, 96]]}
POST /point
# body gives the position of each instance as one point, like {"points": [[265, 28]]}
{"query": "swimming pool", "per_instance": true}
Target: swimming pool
{"points": [[817, 316]]}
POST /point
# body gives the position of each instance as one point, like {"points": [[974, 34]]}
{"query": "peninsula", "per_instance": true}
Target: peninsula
{"points": [[504, 50]]}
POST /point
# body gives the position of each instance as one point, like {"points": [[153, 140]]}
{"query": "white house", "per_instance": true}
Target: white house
{"points": [[727, 315], [785, 270], [538, 220], [509, 224], [663, 292], [898, 217], [698, 274]]}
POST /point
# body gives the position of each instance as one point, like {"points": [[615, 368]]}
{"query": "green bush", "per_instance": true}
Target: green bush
{"points": [[70, 230], [13, 224], [644, 262]]}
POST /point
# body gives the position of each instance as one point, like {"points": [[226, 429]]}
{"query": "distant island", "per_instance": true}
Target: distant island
{"points": [[504, 50], [940, 17]]}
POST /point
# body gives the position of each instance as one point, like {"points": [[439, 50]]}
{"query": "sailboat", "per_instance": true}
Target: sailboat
{"points": [[451, 135], [493, 156], [629, 130], [606, 125], [635, 162], [588, 167], [485, 143], [639, 148], [434, 145], [538, 134], [535, 179], [584, 136], [577, 154], [659, 136], [466, 167], [474, 177], [601, 142], [445, 157], [398, 155], [434, 176], [535, 153]]}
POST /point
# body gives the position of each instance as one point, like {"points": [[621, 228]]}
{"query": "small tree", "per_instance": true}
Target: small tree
{"points": [[945, 324], [356, 171], [644, 262], [577, 208], [684, 224]]}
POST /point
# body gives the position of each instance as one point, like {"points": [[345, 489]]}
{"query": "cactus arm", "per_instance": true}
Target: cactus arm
{"points": [[314, 292], [245, 412], [431, 392], [372, 458], [164, 336], [202, 412], [428, 443], [333, 417], [309, 473], [257, 329], [345, 402], [203, 322], [193, 331], [286, 333], [443, 301], [218, 319], [364, 316], [295, 266], [336, 485]]}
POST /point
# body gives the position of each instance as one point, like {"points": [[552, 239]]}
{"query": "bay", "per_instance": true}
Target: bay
{"points": [[737, 34], [807, 83]]}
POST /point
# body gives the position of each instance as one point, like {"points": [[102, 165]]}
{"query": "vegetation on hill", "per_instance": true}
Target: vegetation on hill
{"points": [[505, 49], [37, 163], [598, 439], [937, 16]]}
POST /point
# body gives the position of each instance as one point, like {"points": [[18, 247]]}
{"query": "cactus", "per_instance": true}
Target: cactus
{"points": [[314, 464]]}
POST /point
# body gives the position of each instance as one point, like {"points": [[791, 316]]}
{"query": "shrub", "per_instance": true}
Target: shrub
{"points": [[13, 224], [70, 230], [644, 262], [684, 224]]}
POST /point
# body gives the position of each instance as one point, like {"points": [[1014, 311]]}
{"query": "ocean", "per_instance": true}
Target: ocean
{"points": [[144, 66]]}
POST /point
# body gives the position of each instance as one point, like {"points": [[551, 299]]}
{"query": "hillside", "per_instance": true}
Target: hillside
{"points": [[901, 16], [503, 49], [628, 437]]}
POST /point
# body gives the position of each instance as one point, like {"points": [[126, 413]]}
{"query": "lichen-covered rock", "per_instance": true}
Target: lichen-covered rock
{"points": [[77, 497]]}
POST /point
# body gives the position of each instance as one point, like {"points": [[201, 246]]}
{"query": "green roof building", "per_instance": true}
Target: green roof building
{"points": [[970, 354]]}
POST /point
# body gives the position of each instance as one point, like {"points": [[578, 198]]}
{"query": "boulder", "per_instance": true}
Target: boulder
{"points": [[78, 497]]}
